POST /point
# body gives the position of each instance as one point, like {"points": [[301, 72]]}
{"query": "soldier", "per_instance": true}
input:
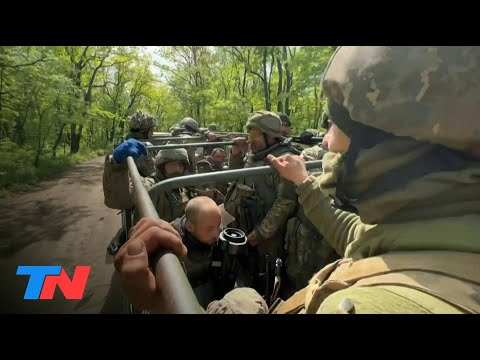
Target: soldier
{"points": [[169, 163], [199, 229], [217, 159], [276, 198], [141, 126], [286, 124], [188, 126], [404, 175], [262, 205], [213, 128]]}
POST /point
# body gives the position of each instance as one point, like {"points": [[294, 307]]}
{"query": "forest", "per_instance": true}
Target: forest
{"points": [[60, 105]]}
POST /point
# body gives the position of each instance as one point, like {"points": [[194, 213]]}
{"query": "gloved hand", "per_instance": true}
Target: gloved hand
{"points": [[131, 147]]}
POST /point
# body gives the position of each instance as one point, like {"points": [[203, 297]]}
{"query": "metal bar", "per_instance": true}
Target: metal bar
{"points": [[173, 138], [218, 177], [312, 140], [177, 294], [189, 145]]}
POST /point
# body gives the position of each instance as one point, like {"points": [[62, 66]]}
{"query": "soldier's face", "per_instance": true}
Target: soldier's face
{"points": [[207, 227], [285, 129], [173, 169], [256, 141], [211, 136], [219, 157], [336, 140]]}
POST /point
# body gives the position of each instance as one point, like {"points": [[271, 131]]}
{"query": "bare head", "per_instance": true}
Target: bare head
{"points": [[203, 219]]}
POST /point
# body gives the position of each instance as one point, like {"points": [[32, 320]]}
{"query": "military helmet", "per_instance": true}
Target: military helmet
{"points": [[284, 118], [190, 124], [142, 121], [212, 127], [168, 155], [429, 93], [267, 122], [204, 166]]}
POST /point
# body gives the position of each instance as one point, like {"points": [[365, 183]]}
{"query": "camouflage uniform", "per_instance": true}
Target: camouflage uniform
{"points": [[170, 204], [314, 153], [187, 128], [117, 188], [141, 121], [409, 181], [275, 197]]}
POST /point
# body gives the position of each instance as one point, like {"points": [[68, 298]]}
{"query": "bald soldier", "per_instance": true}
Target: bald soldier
{"points": [[198, 229]]}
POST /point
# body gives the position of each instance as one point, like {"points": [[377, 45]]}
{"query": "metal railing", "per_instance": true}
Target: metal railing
{"points": [[178, 295]]}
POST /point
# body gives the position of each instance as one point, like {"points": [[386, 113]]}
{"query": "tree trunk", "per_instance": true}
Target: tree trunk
{"points": [[289, 81], [75, 138], [266, 93], [280, 85], [57, 141]]}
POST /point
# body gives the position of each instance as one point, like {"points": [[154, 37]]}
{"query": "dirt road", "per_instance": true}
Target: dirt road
{"points": [[60, 222]]}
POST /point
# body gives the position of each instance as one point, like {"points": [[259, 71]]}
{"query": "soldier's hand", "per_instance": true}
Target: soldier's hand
{"points": [[290, 167], [252, 238], [131, 147], [240, 146], [138, 281]]}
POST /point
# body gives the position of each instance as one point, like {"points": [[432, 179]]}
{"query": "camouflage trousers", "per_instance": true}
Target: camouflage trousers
{"points": [[307, 252]]}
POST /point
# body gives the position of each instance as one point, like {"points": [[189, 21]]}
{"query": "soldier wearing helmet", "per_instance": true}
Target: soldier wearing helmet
{"points": [[188, 126], [265, 220], [141, 125], [401, 173], [286, 123], [399, 195], [169, 163]]}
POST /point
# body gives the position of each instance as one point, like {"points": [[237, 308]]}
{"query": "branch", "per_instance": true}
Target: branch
{"points": [[27, 64]]}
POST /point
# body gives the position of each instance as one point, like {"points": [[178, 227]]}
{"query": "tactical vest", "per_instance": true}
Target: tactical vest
{"points": [[261, 190], [453, 277]]}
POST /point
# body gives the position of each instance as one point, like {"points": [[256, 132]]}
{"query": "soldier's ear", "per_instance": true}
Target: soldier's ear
{"points": [[189, 226]]}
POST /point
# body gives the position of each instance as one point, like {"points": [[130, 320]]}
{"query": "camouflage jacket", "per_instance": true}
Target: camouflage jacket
{"points": [[277, 201]]}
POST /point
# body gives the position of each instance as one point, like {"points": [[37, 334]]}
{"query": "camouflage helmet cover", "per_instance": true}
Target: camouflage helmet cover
{"points": [[168, 155], [430, 93], [141, 120], [267, 122], [203, 166], [189, 124]]}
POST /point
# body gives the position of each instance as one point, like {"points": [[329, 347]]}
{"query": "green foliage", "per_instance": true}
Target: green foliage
{"points": [[56, 98]]}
